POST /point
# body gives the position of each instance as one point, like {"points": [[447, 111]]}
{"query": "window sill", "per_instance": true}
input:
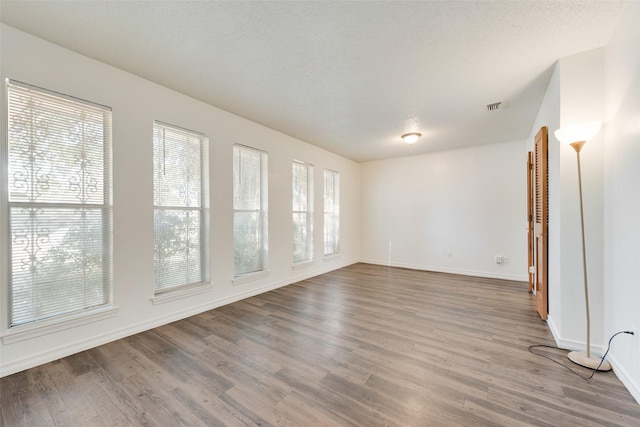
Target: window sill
{"points": [[180, 293], [248, 277], [331, 257], [45, 327], [302, 264]]}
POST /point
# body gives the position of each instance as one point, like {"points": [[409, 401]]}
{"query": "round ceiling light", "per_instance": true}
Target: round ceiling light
{"points": [[411, 137]]}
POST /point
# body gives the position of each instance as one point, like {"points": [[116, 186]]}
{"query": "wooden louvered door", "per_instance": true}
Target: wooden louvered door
{"points": [[541, 178], [530, 245]]}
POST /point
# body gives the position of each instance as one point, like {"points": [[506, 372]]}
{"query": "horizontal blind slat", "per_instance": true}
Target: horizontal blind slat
{"points": [[179, 245], [302, 211], [249, 204], [59, 211]]}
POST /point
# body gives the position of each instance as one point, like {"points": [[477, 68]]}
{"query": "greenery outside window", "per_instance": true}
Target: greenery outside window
{"points": [[250, 240], [59, 205], [179, 191]]}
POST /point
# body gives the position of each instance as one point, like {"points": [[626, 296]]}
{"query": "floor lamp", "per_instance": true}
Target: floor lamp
{"points": [[576, 136]]}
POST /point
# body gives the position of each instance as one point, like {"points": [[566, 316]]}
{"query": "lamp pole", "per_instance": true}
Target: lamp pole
{"points": [[578, 146], [577, 357]]}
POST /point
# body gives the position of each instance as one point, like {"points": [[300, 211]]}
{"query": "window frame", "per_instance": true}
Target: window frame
{"points": [[14, 330], [308, 211], [262, 212], [333, 213], [166, 293]]}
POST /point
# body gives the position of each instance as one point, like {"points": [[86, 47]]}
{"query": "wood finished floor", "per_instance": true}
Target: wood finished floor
{"points": [[361, 346]]}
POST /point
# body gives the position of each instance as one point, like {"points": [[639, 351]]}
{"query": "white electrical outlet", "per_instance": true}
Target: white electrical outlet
{"points": [[450, 254]]}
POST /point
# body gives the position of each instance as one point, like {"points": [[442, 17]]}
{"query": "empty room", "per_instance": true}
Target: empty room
{"points": [[320, 213]]}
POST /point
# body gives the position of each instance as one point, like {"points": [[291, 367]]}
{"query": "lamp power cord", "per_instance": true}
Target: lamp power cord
{"points": [[531, 347]]}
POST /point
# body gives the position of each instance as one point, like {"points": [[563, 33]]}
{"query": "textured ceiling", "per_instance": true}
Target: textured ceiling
{"points": [[350, 77]]}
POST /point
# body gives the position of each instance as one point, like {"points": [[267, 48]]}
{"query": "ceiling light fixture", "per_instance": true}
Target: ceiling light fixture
{"points": [[411, 137]]}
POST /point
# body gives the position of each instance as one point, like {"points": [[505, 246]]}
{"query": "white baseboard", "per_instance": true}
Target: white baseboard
{"points": [[490, 275], [618, 369], [554, 330], [572, 345], [67, 350], [625, 377]]}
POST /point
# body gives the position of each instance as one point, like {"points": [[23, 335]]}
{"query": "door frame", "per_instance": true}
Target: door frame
{"points": [[541, 225], [530, 237]]}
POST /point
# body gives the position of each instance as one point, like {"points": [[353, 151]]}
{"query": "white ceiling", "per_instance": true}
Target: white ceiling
{"points": [[350, 77]]}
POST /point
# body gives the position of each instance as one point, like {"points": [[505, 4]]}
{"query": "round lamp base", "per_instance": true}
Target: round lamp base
{"points": [[588, 362]]}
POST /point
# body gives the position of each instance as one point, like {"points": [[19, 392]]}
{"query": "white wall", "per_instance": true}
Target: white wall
{"points": [[575, 93], [622, 196], [602, 84], [549, 116], [470, 202], [136, 103]]}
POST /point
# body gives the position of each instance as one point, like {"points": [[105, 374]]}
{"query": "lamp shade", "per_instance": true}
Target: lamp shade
{"points": [[577, 132], [412, 137]]}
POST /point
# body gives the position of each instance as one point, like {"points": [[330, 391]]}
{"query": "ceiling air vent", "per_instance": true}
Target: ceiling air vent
{"points": [[495, 106]]}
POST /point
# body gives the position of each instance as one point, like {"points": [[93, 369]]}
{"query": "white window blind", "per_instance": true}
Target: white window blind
{"points": [[180, 244], [302, 207], [249, 210], [59, 199], [331, 212]]}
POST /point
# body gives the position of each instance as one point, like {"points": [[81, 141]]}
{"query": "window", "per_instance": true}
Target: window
{"points": [[180, 249], [59, 203], [331, 212], [249, 210], [302, 201]]}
